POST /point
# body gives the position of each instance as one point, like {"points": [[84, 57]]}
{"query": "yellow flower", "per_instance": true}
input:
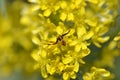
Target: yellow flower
{"points": [[96, 74], [70, 71]]}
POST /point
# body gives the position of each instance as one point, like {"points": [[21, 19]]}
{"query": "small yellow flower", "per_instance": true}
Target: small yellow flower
{"points": [[47, 13], [63, 16], [70, 17], [63, 4], [96, 74]]}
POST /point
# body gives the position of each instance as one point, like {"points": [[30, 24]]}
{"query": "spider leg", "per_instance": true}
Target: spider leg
{"points": [[65, 33], [53, 43]]}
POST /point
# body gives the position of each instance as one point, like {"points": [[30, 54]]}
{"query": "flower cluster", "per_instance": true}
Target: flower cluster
{"points": [[82, 21]]}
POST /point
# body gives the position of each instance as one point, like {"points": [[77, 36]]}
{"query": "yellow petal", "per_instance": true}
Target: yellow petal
{"points": [[44, 72], [77, 2], [72, 31], [47, 13], [43, 53], [40, 15], [25, 20], [102, 40], [101, 71], [43, 7], [35, 56], [82, 11], [73, 42], [101, 3], [63, 16], [81, 61], [77, 47], [73, 75], [104, 72], [59, 30], [87, 76], [63, 4], [65, 76], [85, 52], [91, 22], [76, 67], [72, 6], [36, 40], [61, 67], [56, 7], [80, 31], [50, 69], [98, 28], [83, 45], [67, 60], [97, 44], [35, 8], [112, 45], [117, 38], [70, 17], [88, 35]]}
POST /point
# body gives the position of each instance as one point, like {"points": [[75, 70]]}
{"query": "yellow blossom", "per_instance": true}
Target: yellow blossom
{"points": [[47, 13], [63, 16], [96, 74]]}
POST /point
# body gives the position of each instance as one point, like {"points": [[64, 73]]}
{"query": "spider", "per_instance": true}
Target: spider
{"points": [[60, 38]]}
